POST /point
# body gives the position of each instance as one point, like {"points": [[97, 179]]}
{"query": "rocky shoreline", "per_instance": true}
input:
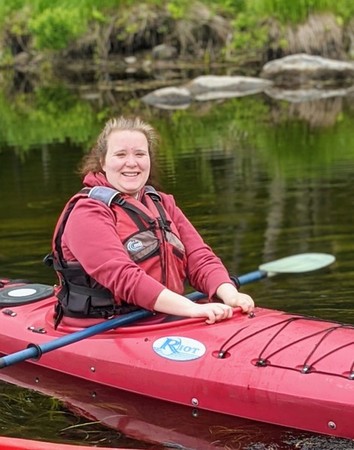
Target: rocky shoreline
{"points": [[294, 78]]}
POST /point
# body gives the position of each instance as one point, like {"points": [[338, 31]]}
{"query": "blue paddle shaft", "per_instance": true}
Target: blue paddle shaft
{"points": [[243, 279], [34, 351], [252, 276]]}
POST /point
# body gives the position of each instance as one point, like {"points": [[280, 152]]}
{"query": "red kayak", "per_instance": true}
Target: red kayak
{"points": [[273, 367], [9, 443]]}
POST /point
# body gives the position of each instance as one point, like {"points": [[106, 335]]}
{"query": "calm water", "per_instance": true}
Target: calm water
{"points": [[260, 179]]}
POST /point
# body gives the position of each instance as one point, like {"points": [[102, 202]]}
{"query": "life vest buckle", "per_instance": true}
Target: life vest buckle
{"points": [[120, 201], [164, 224]]}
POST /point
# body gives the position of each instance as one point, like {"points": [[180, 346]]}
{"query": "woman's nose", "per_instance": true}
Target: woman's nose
{"points": [[131, 160]]}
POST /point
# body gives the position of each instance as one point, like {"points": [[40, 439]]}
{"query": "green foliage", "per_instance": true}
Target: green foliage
{"points": [[178, 8], [248, 32], [56, 23], [250, 23], [14, 17], [6, 57], [8, 7], [55, 28], [98, 16], [297, 11]]}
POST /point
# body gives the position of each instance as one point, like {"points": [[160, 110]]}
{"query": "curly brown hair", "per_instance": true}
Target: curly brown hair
{"points": [[92, 162]]}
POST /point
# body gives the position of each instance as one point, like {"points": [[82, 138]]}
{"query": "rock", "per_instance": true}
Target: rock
{"points": [[169, 98], [22, 59], [212, 87], [308, 70], [164, 52], [131, 59]]}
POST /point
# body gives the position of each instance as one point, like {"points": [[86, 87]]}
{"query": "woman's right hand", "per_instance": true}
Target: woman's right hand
{"points": [[214, 312]]}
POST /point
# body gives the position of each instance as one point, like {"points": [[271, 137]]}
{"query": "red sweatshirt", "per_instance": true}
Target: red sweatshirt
{"points": [[91, 237]]}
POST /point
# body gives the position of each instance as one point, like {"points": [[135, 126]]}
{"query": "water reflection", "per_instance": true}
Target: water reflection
{"points": [[27, 413]]}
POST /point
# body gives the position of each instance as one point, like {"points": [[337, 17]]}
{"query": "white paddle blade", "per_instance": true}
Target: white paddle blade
{"points": [[304, 262]]}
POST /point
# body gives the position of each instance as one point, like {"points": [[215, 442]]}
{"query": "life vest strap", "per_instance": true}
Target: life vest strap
{"points": [[103, 193], [85, 290]]}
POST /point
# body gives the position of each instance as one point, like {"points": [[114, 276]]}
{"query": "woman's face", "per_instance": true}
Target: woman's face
{"points": [[127, 162]]}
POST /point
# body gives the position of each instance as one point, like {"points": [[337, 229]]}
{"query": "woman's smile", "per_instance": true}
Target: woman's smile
{"points": [[127, 162]]}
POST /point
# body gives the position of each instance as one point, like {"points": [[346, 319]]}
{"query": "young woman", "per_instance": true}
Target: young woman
{"points": [[119, 244]]}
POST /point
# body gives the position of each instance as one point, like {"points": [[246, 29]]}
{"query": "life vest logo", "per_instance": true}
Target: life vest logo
{"points": [[179, 348], [134, 245]]}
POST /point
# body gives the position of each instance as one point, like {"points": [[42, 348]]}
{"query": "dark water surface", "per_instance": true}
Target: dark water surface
{"points": [[261, 180]]}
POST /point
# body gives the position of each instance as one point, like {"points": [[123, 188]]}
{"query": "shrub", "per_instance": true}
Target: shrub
{"points": [[55, 28]]}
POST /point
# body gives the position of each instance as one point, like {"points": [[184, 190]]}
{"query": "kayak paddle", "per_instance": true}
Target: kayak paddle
{"points": [[303, 262], [300, 263]]}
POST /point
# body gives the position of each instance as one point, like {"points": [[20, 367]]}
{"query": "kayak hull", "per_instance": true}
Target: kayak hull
{"points": [[275, 367]]}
